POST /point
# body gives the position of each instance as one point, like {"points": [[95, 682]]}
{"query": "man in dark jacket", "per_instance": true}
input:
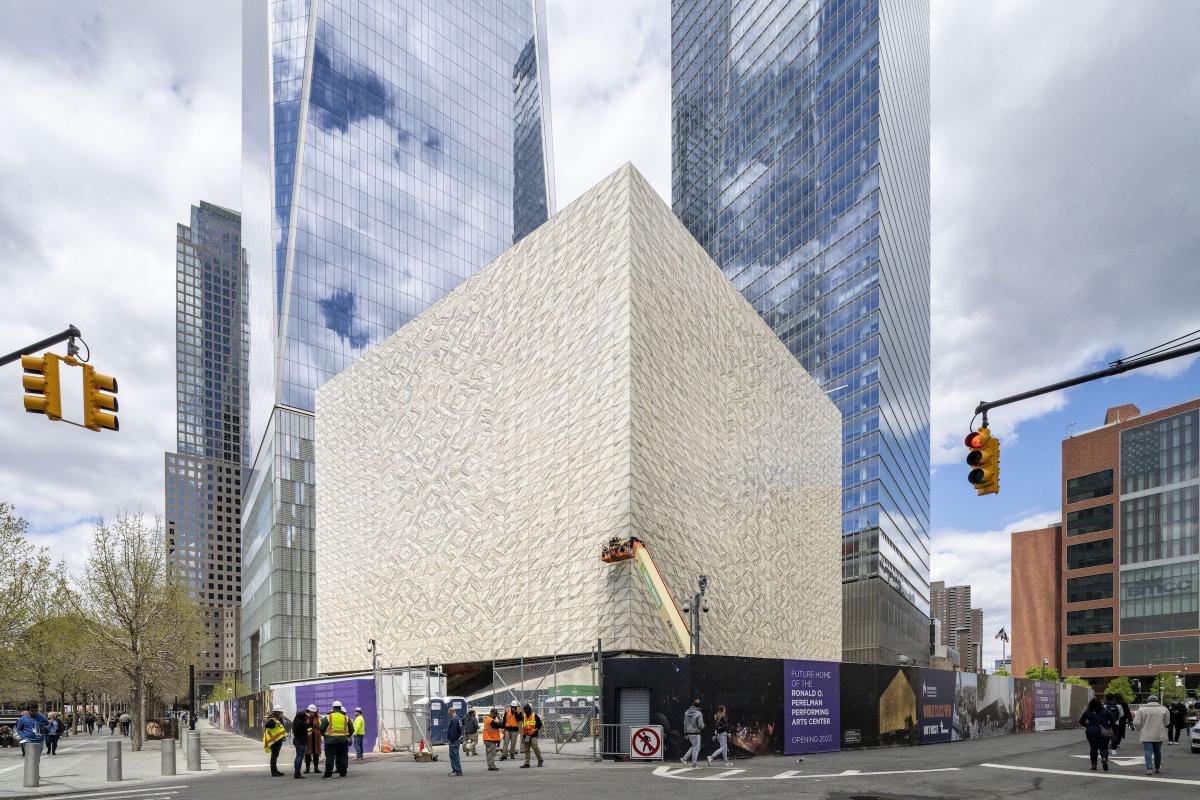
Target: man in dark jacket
{"points": [[335, 730], [531, 726], [512, 730], [454, 737], [470, 734], [1114, 709], [301, 726], [1178, 713]]}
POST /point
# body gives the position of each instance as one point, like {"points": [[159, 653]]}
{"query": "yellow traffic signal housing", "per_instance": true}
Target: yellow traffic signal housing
{"points": [[984, 459], [42, 393], [99, 398]]}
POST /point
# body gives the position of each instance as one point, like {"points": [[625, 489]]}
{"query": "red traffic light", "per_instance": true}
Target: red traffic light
{"points": [[974, 440]]}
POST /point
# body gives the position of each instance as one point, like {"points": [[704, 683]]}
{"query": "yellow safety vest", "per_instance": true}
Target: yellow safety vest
{"points": [[360, 725], [338, 724], [529, 724], [273, 735]]}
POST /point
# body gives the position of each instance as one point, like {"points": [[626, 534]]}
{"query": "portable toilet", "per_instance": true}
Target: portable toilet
{"points": [[439, 719], [459, 704]]}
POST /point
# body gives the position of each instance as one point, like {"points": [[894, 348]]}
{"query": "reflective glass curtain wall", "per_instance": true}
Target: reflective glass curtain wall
{"points": [[390, 150], [801, 164], [203, 479]]}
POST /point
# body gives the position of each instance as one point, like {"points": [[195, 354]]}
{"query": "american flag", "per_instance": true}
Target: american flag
{"points": [[1002, 635]]}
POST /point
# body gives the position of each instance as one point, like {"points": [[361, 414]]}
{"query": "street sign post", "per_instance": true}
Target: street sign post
{"points": [[645, 742]]}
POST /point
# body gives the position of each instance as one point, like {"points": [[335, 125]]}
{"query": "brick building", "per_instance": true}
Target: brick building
{"points": [[961, 626], [1122, 595]]}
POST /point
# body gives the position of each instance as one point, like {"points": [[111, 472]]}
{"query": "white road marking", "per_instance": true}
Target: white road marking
{"points": [[721, 775], [1090, 774], [248, 766], [667, 772], [132, 794], [1124, 761], [18, 766]]}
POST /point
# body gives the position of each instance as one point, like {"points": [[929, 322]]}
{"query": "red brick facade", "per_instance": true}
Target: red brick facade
{"points": [[1036, 598]]}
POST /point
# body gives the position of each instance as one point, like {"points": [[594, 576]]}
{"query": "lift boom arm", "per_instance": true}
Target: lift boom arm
{"points": [[632, 549]]}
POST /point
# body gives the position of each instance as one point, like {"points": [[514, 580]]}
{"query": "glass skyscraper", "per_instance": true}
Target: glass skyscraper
{"points": [[800, 144], [204, 476], [390, 149]]}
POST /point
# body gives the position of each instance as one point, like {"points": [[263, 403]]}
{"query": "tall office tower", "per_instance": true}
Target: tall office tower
{"points": [[390, 149], [961, 626], [800, 139], [204, 475]]}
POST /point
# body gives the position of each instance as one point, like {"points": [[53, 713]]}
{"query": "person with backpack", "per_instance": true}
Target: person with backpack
{"points": [[721, 736], [1114, 708], [1098, 724], [693, 726]]}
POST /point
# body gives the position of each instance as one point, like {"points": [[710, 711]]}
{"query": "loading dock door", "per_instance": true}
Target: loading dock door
{"points": [[633, 708]]}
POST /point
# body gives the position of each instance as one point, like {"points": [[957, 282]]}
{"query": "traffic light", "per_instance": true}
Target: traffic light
{"points": [[99, 397], [42, 395], [984, 460]]}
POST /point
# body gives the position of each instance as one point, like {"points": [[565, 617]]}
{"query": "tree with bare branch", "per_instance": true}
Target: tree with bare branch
{"points": [[140, 620]]}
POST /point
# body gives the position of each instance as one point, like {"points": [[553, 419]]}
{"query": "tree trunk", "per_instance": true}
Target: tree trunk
{"points": [[138, 712]]}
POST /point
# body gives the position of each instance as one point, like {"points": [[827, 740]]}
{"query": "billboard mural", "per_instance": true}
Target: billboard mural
{"points": [[935, 710], [994, 712], [966, 701], [812, 701], [897, 688], [1022, 706]]}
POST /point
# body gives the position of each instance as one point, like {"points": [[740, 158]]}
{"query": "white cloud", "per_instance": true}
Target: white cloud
{"points": [[983, 560], [118, 117]]}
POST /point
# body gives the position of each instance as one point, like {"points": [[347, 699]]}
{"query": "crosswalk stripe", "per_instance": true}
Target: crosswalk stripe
{"points": [[720, 775]]}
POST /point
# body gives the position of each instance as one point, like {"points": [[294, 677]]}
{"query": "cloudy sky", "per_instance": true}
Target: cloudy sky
{"points": [[1066, 225]]}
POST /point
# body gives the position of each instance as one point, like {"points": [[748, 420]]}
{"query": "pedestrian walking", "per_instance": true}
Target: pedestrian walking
{"points": [[471, 734], [1097, 723], [335, 731], [531, 726], [493, 731], [90, 723], [125, 720], [721, 737], [112, 725], [1178, 721], [359, 733], [1150, 722], [454, 738], [301, 729], [54, 729], [693, 726], [274, 734], [1114, 709], [312, 753], [30, 727], [512, 729]]}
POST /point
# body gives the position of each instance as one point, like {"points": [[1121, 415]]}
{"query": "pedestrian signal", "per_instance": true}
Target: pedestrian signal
{"points": [[42, 394], [984, 459]]}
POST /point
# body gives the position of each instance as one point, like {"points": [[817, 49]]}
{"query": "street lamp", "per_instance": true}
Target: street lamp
{"points": [[1045, 663], [694, 608]]}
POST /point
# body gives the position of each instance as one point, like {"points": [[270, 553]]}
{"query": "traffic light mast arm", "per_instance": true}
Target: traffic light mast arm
{"points": [[71, 333], [1116, 368]]}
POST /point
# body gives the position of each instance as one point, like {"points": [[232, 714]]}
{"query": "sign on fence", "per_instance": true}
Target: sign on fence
{"points": [[645, 742], [812, 704]]}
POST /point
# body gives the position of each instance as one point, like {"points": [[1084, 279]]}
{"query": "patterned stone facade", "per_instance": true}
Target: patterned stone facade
{"points": [[601, 378]]}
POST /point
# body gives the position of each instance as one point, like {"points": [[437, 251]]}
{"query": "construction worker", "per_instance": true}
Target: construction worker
{"points": [[274, 733], [531, 723], [470, 733], [512, 729], [360, 732], [335, 730], [492, 733]]}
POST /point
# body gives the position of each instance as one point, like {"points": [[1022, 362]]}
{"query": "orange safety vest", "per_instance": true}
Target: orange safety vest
{"points": [[491, 729], [273, 735], [529, 724], [338, 725], [510, 718]]}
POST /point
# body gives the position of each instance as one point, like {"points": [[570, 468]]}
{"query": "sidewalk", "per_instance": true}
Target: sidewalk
{"points": [[82, 763]]}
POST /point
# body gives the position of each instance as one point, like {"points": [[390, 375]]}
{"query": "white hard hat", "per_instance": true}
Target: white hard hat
{"points": [[311, 708], [337, 703], [358, 708], [277, 708], [515, 704]]}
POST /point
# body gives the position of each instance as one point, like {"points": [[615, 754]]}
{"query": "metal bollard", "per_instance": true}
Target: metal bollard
{"points": [[193, 752], [33, 764], [168, 756], [114, 760]]}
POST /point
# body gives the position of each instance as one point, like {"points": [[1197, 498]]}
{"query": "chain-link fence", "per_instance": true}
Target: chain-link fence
{"points": [[563, 690]]}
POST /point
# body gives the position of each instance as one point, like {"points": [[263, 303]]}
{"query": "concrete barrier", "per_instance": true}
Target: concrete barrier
{"points": [[168, 756], [114, 760], [33, 764], [193, 752]]}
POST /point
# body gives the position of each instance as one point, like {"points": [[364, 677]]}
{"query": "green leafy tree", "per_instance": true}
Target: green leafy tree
{"points": [[24, 574], [228, 689], [1121, 687], [1042, 674], [1075, 680], [142, 623], [1002, 673], [1164, 686]]}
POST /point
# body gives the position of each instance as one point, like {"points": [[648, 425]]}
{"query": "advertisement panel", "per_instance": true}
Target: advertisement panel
{"points": [[1022, 711], [966, 701], [1045, 705], [935, 709], [812, 712], [994, 713], [897, 688]]}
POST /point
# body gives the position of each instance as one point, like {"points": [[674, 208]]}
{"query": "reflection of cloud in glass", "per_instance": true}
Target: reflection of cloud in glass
{"points": [[339, 317]]}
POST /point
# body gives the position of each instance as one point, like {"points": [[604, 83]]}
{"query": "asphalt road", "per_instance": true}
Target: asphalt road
{"points": [[1047, 765]]}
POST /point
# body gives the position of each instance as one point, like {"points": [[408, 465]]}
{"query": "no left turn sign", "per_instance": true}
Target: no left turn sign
{"points": [[645, 742]]}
